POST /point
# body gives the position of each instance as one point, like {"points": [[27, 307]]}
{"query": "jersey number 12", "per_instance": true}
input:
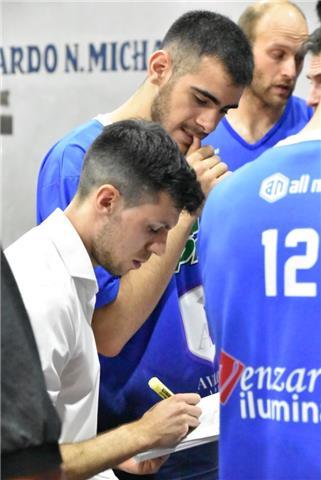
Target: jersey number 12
{"points": [[292, 288]]}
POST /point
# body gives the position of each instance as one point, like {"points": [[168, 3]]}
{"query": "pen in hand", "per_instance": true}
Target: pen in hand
{"points": [[159, 388], [162, 391]]}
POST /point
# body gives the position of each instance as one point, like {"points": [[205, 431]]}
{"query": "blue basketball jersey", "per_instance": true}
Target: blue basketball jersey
{"points": [[261, 268], [237, 152]]}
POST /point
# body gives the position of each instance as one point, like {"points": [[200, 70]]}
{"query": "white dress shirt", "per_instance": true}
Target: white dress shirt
{"points": [[58, 286]]}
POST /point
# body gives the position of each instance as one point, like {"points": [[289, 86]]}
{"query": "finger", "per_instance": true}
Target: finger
{"points": [[190, 424], [208, 163], [195, 145], [200, 154], [219, 169], [193, 422], [224, 175], [194, 411], [191, 398], [163, 458], [152, 466], [157, 462]]}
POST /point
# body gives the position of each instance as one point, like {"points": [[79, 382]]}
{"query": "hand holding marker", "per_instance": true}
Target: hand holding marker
{"points": [[162, 391]]}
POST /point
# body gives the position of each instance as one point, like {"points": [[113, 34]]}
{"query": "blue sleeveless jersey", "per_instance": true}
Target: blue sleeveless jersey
{"points": [[237, 152], [174, 343], [261, 267]]}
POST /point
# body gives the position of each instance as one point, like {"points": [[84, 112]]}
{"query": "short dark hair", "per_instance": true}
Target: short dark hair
{"points": [[141, 160], [313, 43], [318, 9], [200, 33]]}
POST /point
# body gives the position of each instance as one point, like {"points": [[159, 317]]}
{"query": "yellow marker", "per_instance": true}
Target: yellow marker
{"points": [[159, 388]]}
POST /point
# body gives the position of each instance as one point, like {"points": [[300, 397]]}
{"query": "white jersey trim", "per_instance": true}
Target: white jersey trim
{"points": [[307, 136], [104, 119]]}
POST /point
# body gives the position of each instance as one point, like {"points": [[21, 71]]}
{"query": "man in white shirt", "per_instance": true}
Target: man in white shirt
{"points": [[133, 186]]}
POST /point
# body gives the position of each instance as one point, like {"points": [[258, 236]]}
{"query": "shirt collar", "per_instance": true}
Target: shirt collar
{"points": [[70, 247], [105, 119]]}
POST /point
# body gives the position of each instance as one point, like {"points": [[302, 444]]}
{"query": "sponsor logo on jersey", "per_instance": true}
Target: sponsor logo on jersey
{"points": [[189, 255], [277, 186], [230, 372], [208, 384], [273, 393], [196, 329]]}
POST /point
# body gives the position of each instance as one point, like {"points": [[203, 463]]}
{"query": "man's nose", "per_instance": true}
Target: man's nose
{"points": [[289, 68], [158, 245], [208, 120]]}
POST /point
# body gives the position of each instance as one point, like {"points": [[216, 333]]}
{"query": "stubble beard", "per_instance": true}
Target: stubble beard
{"points": [[266, 97], [102, 254], [160, 108]]}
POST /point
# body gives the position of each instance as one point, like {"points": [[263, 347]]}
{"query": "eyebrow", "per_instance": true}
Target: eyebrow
{"points": [[160, 225], [312, 76], [212, 97]]}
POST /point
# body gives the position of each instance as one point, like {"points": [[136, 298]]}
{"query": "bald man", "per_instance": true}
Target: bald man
{"points": [[267, 112]]}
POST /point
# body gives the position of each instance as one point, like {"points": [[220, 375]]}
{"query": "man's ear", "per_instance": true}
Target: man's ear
{"points": [[159, 67], [107, 199]]}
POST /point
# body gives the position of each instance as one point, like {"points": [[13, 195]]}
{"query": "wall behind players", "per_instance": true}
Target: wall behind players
{"points": [[62, 63]]}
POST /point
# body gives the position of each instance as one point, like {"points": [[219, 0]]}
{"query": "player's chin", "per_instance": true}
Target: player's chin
{"points": [[279, 101], [116, 270]]}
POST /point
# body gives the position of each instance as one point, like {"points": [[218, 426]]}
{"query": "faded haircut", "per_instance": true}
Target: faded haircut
{"points": [[141, 160], [200, 33], [313, 43]]}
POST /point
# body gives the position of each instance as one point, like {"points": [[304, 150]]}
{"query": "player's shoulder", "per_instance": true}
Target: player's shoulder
{"points": [[80, 137], [275, 167], [77, 140], [35, 259], [39, 271]]}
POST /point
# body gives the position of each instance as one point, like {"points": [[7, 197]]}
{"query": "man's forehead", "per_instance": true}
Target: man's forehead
{"points": [[282, 20], [210, 68], [314, 67], [205, 60]]}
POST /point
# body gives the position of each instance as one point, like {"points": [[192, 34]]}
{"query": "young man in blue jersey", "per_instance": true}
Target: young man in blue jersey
{"points": [[262, 281], [268, 112], [193, 80]]}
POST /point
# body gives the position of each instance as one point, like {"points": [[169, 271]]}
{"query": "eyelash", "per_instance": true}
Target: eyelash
{"points": [[200, 101], [277, 55], [204, 102]]}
